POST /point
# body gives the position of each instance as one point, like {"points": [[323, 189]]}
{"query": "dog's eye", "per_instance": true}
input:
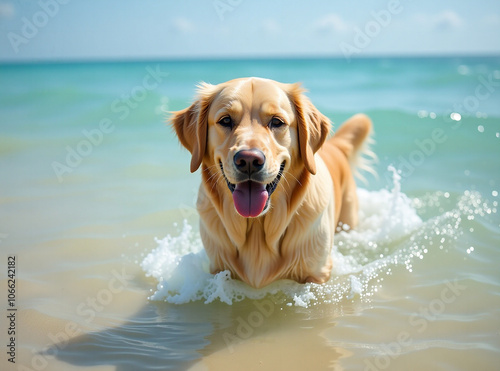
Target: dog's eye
{"points": [[276, 123], [226, 122]]}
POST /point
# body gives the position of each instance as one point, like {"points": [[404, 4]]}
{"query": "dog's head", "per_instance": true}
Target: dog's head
{"points": [[249, 133]]}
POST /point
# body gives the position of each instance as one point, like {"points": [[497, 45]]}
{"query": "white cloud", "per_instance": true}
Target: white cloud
{"points": [[331, 23], [446, 20], [7, 10], [270, 26], [183, 25]]}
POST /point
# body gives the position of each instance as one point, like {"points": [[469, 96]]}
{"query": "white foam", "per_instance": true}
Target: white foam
{"points": [[390, 233]]}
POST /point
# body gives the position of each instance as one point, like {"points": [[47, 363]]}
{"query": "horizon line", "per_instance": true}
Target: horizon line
{"points": [[245, 58]]}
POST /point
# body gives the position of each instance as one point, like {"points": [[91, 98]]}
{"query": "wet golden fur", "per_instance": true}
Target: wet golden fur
{"points": [[292, 239]]}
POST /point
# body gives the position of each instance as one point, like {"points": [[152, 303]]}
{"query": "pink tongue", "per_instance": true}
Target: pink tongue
{"points": [[250, 198]]}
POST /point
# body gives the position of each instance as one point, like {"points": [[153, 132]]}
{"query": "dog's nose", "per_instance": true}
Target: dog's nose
{"points": [[249, 161]]}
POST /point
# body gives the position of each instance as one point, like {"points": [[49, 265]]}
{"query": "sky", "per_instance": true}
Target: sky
{"points": [[76, 30]]}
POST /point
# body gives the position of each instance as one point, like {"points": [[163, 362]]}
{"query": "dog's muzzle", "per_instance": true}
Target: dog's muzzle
{"points": [[251, 197]]}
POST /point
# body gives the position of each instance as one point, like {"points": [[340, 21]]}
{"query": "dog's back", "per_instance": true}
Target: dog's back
{"points": [[344, 154]]}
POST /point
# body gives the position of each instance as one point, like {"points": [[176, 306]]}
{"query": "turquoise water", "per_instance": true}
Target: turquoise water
{"points": [[45, 110], [91, 175]]}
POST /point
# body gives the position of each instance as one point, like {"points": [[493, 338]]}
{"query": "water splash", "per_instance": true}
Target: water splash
{"points": [[390, 233]]}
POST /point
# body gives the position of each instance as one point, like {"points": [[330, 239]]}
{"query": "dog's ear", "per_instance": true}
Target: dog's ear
{"points": [[191, 124], [312, 126]]}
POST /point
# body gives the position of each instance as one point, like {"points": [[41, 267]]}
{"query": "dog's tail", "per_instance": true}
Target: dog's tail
{"points": [[354, 138]]}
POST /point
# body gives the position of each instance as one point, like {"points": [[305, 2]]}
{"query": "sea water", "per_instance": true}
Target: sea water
{"points": [[91, 174], [390, 233]]}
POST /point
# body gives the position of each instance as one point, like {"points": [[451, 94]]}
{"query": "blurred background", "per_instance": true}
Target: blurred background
{"points": [[67, 30]]}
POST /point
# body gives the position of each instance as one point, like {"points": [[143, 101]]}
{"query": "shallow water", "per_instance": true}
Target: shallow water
{"points": [[110, 271]]}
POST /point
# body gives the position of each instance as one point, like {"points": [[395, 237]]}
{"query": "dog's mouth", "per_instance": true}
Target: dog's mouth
{"points": [[251, 198]]}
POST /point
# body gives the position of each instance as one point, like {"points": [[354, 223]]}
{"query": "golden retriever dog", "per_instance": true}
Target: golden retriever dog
{"points": [[273, 187]]}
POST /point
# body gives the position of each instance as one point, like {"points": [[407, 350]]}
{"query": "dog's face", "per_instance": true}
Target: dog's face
{"points": [[249, 134], [252, 137]]}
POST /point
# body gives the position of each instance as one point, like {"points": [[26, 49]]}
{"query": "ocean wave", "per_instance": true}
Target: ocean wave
{"points": [[390, 234]]}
